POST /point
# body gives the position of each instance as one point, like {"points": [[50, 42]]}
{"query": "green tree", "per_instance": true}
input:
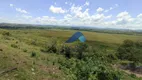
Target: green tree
{"points": [[130, 50]]}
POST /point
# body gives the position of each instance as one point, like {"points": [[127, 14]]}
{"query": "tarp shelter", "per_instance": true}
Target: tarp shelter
{"points": [[76, 36]]}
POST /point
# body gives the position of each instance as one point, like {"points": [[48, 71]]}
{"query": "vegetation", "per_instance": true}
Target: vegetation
{"points": [[90, 29], [42, 55], [130, 50]]}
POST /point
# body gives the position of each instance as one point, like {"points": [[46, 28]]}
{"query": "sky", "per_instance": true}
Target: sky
{"points": [[123, 14]]}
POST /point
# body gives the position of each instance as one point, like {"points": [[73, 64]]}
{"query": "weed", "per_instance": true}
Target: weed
{"points": [[14, 45], [33, 54], [5, 33]]}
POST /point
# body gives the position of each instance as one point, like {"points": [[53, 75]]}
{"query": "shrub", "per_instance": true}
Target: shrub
{"points": [[1, 49], [90, 69], [130, 50], [5, 33], [79, 49], [138, 44], [128, 43], [16, 42], [133, 75], [111, 57], [73, 50], [24, 50], [33, 54], [65, 50], [33, 42], [14, 45], [51, 46]]}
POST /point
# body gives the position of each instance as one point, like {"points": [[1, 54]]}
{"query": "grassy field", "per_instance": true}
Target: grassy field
{"points": [[91, 36], [18, 47]]}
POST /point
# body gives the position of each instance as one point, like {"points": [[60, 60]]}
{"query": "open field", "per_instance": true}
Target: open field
{"points": [[21, 49], [91, 36]]}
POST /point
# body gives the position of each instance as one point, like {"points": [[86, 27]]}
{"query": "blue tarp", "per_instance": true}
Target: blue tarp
{"points": [[76, 36]]}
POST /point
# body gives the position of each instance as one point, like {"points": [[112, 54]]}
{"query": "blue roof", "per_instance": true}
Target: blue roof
{"points": [[76, 36]]}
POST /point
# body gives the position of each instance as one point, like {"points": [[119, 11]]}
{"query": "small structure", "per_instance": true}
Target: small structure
{"points": [[76, 36]]}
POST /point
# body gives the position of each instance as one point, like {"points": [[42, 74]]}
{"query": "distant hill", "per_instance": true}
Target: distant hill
{"points": [[83, 28]]}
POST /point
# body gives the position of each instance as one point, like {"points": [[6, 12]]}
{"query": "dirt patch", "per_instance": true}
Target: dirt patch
{"points": [[50, 69], [136, 72], [130, 72]]}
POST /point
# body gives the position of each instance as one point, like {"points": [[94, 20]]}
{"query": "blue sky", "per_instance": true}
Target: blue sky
{"points": [[94, 13]]}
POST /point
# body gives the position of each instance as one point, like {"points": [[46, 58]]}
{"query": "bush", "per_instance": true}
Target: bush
{"points": [[14, 45], [1, 49], [5, 33], [78, 49], [33, 54], [74, 50], [34, 42], [133, 75], [130, 50], [128, 43], [51, 46], [112, 56], [66, 50], [90, 69], [24, 50]]}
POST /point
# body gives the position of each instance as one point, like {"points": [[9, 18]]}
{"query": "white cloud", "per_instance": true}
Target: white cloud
{"points": [[123, 14], [75, 9], [83, 15], [68, 16], [67, 19], [87, 3], [80, 17], [66, 2], [56, 9], [18, 9], [21, 10], [108, 17], [139, 16], [111, 8], [124, 18], [98, 17], [46, 20], [100, 9], [78, 14], [11, 5], [26, 16], [138, 19]]}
